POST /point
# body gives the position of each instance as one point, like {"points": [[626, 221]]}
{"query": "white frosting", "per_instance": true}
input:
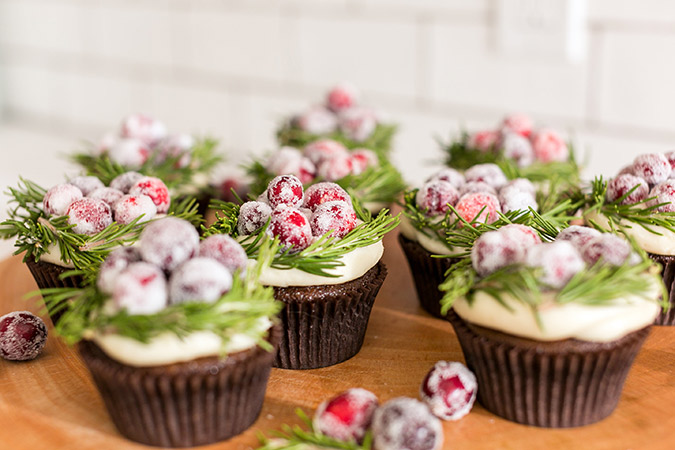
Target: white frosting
{"points": [[434, 246], [356, 264], [53, 256], [600, 323], [659, 244]]}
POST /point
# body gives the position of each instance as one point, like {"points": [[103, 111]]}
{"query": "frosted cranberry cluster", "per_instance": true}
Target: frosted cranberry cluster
{"points": [[141, 137], [340, 111], [651, 175], [482, 187], [575, 249], [91, 206], [326, 159], [298, 216], [170, 266], [518, 140], [22, 336]]}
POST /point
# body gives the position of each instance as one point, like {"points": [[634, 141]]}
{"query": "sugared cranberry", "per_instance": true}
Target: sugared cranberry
{"points": [[336, 216], [89, 215], [22, 336], [226, 251], [140, 289], [484, 141], [130, 207], [347, 416], [495, 250], [609, 248], [322, 149], [518, 148], [406, 424], [652, 167], [550, 147], [516, 231], [665, 196], [285, 190], [252, 216], [341, 97], [289, 161], [199, 279], [449, 389], [231, 185], [363, 158], [518, 123], [107, 194], [516, 200], [325, 192], [357, 123], [118, 260], [627, 169], [129, 153], [670, 156], [559, 262], [144, 128], [155, 189], [470, 206], [476, 187], [317, 120], [168, 242], [522, 184], [450, 175], [125, 181], [487, 173], [105, 143], [335, 168], [577, 235], [58, 199], [176, 146], [435, 196], [619, 186], [291, 227], [86, 184]]}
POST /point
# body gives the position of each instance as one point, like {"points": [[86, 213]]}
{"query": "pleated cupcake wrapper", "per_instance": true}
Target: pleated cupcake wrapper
{"points": [[668, 274], [47, 275], [428, 273], [325, 325], [556, 385], [186, 404]]}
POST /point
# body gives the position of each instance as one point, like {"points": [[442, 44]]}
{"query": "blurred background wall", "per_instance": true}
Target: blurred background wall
{"points": [[71, 69]]}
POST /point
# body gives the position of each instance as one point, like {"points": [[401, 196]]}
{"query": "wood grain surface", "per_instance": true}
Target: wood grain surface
{"points": [[51, 403]]}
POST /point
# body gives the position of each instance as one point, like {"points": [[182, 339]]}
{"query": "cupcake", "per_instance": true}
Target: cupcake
{"points": [[328, 271], [551, 328], [640, 202], [178, 335], [74, 225]]}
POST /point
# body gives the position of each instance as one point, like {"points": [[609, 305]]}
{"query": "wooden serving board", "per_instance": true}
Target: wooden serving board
{"points": [[51, 402]]}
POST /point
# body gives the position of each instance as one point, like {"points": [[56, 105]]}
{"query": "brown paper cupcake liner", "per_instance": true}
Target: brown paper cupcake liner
{"points": [[559, 384], [668, 273], [427, 273], [184, 404], [325, 325], [47, 275]]}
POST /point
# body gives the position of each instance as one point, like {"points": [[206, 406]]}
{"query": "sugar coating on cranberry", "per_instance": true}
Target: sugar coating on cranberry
{"points": [[289, 161], [338, 218], [22, 336], [559, 262], [229, 186], [58, 198], [141, 288], [285, 190], [155, 189], [363, 158], [226, 251], [518, 123], [322, 149], [622, 184], [357, 123], [144, 128], [664, 194], [118, 260], [652, 167], [129, 153], [291, 227], [484, 141], [487, 173], [450, 175], [107, 194], [516, 200], [550, 147], [176, 146], [347, 416], [449, 389], [199, 279], [335, 168], [168, 242], [495, 250], [104, 144], [125, 181], [89, 215], [129, 207], [317, 120], [87, 184], [578, 235], [608, 248], [252, 216], [670, 156], [522, 184], [517, 231], [324, 192], [435, 196], [406, 424], [469, 207], [342, 96], [476, 186], [518, 148]]}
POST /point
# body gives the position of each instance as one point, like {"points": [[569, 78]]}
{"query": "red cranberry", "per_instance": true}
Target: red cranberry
{"points": [[317, 120], [522, 184], [341, 97], [118, 260], [550, 147], [670, 156], [105, 143], [86, 184], [140, 289], [325, 192], [362, 159], [336, 216], [470, 205], [484, 141], [357, 123], [347, 416], [449, 389], [627, 169], [89, 216], [144, 128], [168, 242], [452, 176], [252, 216], [22, 336], [226, 251], [322, 149], [518, 123], [665, 195], [559, 262], [476, 187], [494, 250], [522, 233], [58, 199], [406, 424], [291, 227], [175, 146], [285, 190], [619, 186], [577, 235], [609, 248], [289, 161], [652, 167], [230, 184], [514, 199], [435, 196], [518, 148], [130, 207], [199, 279], [129, 153], [107, 194], [335, 168], [156, 190], [125, 181], [487, 173]]}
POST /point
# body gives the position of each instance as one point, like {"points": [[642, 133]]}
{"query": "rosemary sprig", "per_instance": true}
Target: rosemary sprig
{"points": [[297, 438]]}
